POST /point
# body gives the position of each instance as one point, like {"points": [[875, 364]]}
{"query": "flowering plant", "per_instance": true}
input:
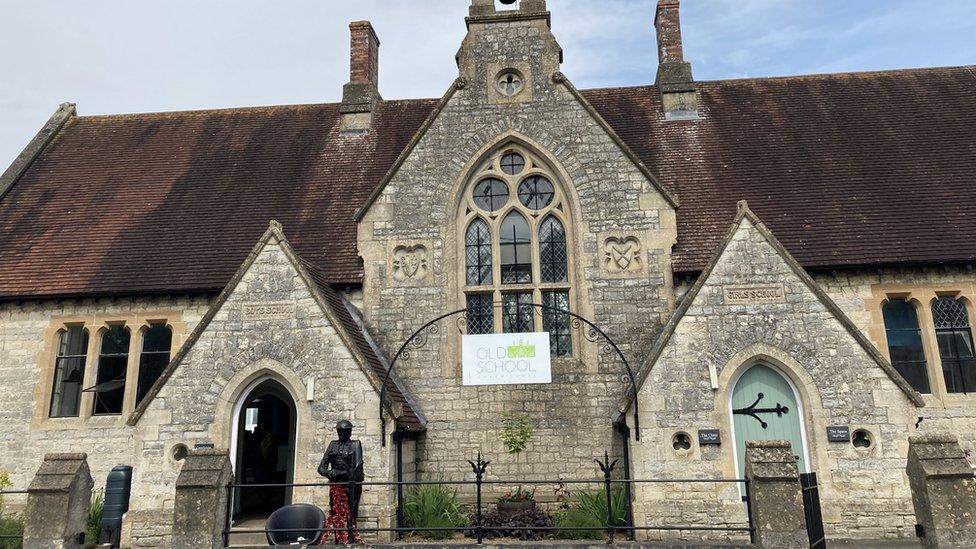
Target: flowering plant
{"points": [[518, 495]]}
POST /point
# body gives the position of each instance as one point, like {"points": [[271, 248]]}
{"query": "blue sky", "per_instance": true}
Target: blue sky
{"points": [[112, 56]]}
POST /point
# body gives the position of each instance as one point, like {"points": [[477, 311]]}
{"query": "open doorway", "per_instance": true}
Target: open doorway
{"points": [[264, 449]]}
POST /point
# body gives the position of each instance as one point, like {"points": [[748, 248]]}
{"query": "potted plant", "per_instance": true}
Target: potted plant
{"points": [[515, 434]]}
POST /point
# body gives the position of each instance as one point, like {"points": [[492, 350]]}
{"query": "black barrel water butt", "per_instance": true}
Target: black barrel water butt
{"points": [[117, 489]]}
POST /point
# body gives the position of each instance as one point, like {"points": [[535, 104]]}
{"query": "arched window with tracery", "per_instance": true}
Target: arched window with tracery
{"points": [[516, 249]]}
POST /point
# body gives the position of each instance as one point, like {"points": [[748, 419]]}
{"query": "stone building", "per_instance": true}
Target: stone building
{"points": [[801, 248]]}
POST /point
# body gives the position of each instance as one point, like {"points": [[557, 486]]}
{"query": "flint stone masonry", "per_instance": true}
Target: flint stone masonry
{"points": [[200, 510], [606, 192], [776, 499], [943, 490], [58, 500], [838, 382]]}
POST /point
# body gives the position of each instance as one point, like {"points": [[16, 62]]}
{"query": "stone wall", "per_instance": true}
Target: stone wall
{"points": [[861, 294], [233, 352], [863, 490], [607, 195], [28, 336]]}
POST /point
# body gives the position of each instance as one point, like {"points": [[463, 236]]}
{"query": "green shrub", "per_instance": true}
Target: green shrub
{"points": [[95, 518], [11, 525], [590, 510], [433, 506]]}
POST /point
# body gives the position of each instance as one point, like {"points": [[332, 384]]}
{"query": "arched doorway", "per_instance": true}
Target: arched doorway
{"points": [[264, 447], [765, 406]]}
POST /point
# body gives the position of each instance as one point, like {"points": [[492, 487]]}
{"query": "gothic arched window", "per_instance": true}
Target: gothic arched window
{"points": [[516, 249]]}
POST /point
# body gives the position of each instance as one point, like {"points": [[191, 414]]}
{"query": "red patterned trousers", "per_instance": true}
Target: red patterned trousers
{"points": [[339, 517]]}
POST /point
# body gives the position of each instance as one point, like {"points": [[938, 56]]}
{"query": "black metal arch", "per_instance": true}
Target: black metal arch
{"points": [[419, 338]]}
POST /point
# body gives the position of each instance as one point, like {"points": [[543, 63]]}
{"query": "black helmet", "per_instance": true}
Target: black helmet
{"points": [[345, 424]]}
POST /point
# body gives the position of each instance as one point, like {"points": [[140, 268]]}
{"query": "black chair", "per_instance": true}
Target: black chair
{"points": [[307, 521]]}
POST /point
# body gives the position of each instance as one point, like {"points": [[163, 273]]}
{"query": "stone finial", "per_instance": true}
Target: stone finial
{"points": [[58, 500], [201, 500], [943, 490], [775, 494]]}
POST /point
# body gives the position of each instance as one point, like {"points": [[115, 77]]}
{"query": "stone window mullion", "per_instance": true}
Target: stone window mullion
{"points": [[132, 368]]}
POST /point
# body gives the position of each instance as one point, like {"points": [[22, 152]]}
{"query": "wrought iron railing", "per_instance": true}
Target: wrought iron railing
{"points": [[478, 530]]}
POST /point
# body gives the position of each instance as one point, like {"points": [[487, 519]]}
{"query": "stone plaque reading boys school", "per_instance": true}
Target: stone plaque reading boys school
{"points": [[268, 311], [505, 359], [751, 294]]}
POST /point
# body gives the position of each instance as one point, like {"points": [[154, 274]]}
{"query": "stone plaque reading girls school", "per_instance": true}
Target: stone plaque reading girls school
{"points": [[505, 359], [754, 294]]}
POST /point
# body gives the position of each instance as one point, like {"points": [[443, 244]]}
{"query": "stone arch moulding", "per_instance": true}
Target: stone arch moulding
{"points": [[242, 383], [804, 387], [564, 181]]}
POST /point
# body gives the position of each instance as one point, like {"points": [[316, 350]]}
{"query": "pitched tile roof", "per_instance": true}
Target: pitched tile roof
{"points": [[117, 204], [847, 170]]}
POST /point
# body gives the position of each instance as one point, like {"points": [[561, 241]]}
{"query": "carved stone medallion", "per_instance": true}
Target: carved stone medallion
{"points": [[410, 262], [622, 254]]}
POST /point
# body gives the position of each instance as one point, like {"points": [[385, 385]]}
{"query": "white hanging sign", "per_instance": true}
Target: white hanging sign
{"points": [[505, 359]]}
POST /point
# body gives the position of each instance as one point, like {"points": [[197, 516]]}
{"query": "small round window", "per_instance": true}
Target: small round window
{"points": [[681, 442], [510, 83], [536, 192], [491, 194], [861, 439], [513, 163], [180, 451]]}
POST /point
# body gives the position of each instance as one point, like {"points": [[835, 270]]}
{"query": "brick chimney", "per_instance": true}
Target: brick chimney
{"points": [[360, 95], [674, 79]]}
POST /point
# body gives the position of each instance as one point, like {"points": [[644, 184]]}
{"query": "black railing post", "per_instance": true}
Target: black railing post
{"points": [[479, 475], [607, 467], [398, 438], [229, 519], [351, 521], [752, 527]]}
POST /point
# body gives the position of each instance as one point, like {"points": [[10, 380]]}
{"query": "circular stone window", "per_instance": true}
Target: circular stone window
{"points": [[536, 192], [179, 452], [490, 194], [861, 439], [512, 163], [510, 82], [681, 442]]}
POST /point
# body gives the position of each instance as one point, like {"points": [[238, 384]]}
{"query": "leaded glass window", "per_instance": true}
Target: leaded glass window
{"points": [[557, 323], [552, 250], [516, 246], [536, 192], [905, 343], [491, 194], [154, 358], [477, 253], [955, 339], [113, 361], [69, 372], [517, 312], [515, 241]]}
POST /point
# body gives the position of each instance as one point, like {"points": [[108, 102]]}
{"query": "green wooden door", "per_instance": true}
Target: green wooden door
{"points": [[765, 408]]}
